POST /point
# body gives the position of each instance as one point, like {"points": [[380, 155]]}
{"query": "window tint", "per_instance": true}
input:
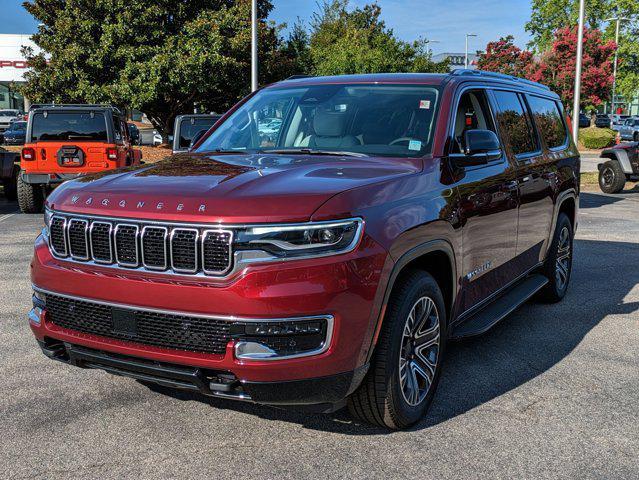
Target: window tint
{"points": [[65, 126], [514, 122], [548, 120]]}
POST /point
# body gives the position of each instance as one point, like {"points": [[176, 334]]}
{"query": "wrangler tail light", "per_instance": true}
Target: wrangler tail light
{"points": [[112, 153], [28, 154]]}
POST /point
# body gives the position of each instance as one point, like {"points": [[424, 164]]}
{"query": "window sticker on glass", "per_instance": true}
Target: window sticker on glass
{"points": [[425, 104], [414, 145]]}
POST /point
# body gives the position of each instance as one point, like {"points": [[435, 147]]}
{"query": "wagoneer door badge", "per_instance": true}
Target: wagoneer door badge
{"points": [[481, 269]]}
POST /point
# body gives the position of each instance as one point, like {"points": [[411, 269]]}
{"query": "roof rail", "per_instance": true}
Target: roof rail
{"points": [[293, 77], [501, 76], [73, 105]]}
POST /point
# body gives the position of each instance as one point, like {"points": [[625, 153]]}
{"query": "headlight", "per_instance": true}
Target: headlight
{"points": [[302, 240], [47, 221]]}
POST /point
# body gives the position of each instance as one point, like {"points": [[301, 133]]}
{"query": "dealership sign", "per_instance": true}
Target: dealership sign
{"points": [[13, 65]]}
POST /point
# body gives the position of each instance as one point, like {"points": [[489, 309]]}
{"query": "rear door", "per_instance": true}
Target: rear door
{"points": [[534, 173]]}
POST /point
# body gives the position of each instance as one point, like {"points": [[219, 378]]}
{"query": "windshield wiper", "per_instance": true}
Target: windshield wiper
{"points": [[310, 151]]}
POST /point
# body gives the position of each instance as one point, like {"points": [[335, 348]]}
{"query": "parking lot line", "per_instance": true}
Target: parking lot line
{"points": [[4, 217]]}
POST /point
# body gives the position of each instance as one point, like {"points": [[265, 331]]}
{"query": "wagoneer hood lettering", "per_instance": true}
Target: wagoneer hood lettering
{"points": [[225, 188]]}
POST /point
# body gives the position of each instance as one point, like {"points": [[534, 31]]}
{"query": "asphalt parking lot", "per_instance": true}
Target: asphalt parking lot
{"points": [[552, 392]]}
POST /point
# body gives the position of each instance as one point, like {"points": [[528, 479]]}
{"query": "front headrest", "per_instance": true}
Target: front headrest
{"points": [[329, 124]]}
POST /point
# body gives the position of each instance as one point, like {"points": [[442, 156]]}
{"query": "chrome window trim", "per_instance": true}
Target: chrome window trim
{"points": [[99, 222], [195, 243], [137, 248], [330, 321], [64, 237], [166, 262], [86, 239], [230, 251]]}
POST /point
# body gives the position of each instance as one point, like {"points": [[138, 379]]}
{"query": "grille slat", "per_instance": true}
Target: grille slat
{"points": [[216, 245], [78, 243], [184, 250], [126, 245], [178, 332], [132, 244], [154, 247], [57, 236], [100, 237]]}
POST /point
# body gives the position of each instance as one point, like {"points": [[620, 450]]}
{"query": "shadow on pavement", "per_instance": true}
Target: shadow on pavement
{"points": [[523, 346]]}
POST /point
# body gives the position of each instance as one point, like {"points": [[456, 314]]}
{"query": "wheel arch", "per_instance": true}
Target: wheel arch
{"points": [[619, 155], [436, 257]]}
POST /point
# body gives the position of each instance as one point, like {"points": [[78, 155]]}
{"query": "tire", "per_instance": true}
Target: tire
{"points": [[385, 397], [30, 197], [612, 178], [558, 265]]}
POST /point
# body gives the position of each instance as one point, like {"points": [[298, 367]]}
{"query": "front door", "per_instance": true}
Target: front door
{"points": [[487, 206]]}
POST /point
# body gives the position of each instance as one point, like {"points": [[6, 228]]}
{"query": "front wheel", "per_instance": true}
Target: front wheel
{"points": [[612, 178], [405, 370]]}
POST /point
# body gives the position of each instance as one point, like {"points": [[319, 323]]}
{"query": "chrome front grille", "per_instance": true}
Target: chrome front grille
{"points": [[135, 245]]}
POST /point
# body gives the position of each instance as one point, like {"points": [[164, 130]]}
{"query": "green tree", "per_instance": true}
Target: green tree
{"points": [[163, 58], [346, 41], [628, 68]]}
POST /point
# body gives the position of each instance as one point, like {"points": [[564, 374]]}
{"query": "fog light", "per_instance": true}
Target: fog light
{"points": [[282, 338]]}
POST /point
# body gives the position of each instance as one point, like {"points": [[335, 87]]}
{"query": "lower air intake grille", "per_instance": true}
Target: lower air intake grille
{"points": [[178, 332]]}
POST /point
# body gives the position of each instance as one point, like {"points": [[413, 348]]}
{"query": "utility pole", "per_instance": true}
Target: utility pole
{"points": [[617, 20], [577, 95], [466, 54], [253, 45]]}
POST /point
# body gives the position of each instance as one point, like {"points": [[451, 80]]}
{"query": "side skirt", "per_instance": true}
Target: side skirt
{"points": [[491, 314]]}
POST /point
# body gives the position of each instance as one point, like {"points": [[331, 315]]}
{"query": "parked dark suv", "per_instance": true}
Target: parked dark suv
{"points": [[320, 245]]}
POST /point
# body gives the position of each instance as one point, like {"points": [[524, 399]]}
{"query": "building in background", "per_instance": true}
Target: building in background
{"points": [[12, 69], [456, 60]]}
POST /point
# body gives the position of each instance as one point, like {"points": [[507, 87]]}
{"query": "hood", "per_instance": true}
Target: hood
{"points": [[225, 188]]}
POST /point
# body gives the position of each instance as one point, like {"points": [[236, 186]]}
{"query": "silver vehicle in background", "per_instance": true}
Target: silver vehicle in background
{"points": [[616, 121], [629, 130], [7, 115]]}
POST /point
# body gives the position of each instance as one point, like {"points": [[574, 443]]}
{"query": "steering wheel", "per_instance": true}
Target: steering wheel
{"points": [[402, 139]]}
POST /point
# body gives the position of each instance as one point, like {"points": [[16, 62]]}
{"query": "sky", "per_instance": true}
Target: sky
{"points": [[442, 21]]}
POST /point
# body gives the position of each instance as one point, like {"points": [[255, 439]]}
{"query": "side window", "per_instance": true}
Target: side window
{"points": [[548, 120], [472, 113], [117, 129], [514, 121]]}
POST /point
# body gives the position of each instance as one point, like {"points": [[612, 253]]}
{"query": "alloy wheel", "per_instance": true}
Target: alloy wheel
{"points": [[562, 264], [608, 176], [419, 351]]}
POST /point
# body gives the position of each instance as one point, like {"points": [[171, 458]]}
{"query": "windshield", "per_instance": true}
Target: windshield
{"points": [[387, 120], [191, 126], [62, 126], [19, 126], [8, 113]]}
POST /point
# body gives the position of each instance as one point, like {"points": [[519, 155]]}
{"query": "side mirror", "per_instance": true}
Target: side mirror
{"points": [[196, 138], [480, 147]]}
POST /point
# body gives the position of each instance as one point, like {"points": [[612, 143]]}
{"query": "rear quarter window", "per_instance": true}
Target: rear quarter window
{"points": [[549, 121]]}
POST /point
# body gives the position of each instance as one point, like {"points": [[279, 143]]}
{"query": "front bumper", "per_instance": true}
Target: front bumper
{"points": [[323, 394], [346, 288]]}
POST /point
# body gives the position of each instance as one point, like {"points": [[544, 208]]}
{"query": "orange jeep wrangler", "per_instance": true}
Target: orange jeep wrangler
{"points": [[66, 141]]}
